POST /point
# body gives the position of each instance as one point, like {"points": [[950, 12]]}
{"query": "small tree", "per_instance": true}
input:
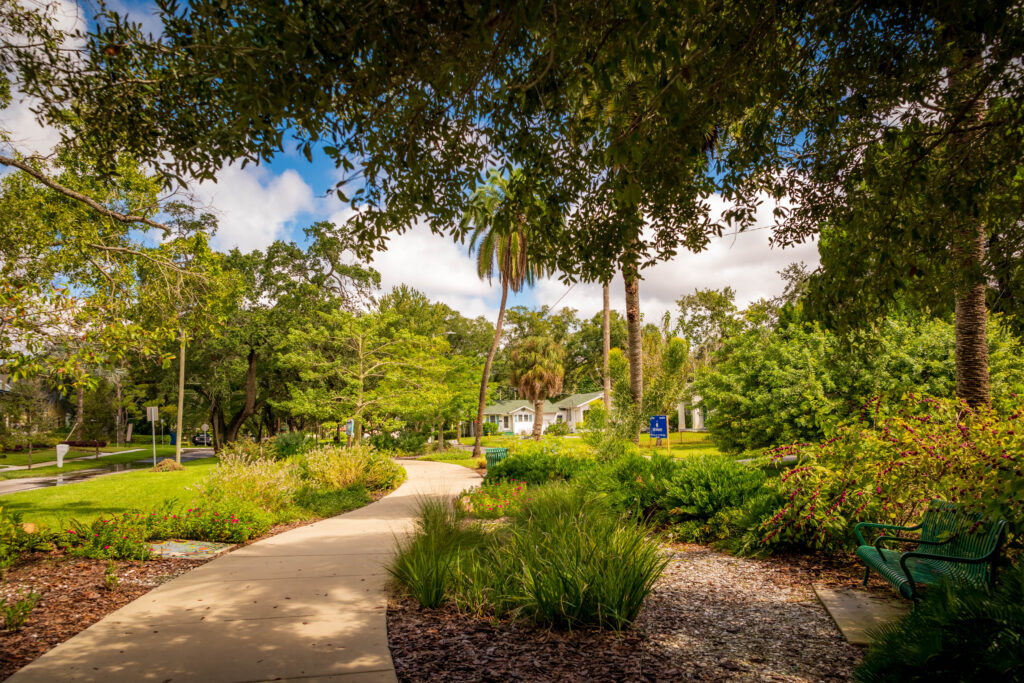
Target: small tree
{"points": [[537, 372], [30, 410]]}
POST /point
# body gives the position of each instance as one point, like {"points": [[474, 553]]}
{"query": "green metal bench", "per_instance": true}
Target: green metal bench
{"points": [[953, 545], [495, 455]]}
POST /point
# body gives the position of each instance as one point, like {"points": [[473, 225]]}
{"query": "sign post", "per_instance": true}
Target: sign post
{"points": [[206, 438], [153, 414], [659, 427]]}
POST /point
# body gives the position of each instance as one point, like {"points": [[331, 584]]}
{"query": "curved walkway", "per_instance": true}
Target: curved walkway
{"points": [[306, 604]]}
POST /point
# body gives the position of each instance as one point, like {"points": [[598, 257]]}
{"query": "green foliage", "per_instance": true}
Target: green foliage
{"points": [[567, 560], [954, 635], [15, 612], [490, 429], [553, 429], [423, 561], [797, 382], [887, 469], [110, 578], [292, 443], [705, 493], [242, 475], [535, 463], [494, 499], [10, 539]]}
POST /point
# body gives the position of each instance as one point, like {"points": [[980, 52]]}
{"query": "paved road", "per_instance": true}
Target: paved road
{"points": [[76, 476], [307, 605]]}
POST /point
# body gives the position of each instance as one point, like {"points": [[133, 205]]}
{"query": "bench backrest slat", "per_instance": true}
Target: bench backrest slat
{"points": [[972, 537]]}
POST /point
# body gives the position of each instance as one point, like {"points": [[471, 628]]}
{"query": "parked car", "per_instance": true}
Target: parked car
{"points": [[202, 440]]}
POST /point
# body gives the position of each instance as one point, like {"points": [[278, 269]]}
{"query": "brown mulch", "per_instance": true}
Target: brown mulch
{"points": [[711, 617], [73, 594]]}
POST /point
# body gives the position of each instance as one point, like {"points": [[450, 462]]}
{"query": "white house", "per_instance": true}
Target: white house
{"points": [[573, 409], [516, 416]]}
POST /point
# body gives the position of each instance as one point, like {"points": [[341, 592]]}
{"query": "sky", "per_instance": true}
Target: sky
{"points": [[259, 204]]}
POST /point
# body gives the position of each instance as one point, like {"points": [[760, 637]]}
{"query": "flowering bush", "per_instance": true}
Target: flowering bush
{"points": [[494, 500], [537, 462], [888, 466]]}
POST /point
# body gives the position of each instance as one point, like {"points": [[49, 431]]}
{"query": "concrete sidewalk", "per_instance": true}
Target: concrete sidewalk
{"points": [[306, 604]]}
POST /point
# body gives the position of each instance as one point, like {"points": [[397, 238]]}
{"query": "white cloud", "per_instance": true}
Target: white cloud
{"points": [[254, 206], [437, 266], [746, 262], [27, 135]]}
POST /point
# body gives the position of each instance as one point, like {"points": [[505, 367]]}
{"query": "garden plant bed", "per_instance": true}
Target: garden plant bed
{"points": [[710, 617], [73, 596]]}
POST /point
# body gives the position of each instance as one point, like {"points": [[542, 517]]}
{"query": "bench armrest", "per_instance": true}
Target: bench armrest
{"points": [[904, 539], [875, 525]]}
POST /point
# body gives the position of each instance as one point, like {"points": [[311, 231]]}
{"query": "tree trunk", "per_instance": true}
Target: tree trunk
{"points": [[972, 375], [606, 349], [635, 342], [479, 425], [249, 406], [181, 393], [440, 436], [538, 419]]}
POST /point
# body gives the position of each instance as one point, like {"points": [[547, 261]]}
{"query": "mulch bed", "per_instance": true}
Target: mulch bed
{"points": [[73, 596], [711, 617]]}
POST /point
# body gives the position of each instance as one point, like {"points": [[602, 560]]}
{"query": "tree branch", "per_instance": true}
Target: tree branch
{"points": [[78, 196]]}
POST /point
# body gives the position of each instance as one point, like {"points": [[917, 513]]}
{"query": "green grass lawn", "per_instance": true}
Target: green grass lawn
{"points": [[454, 457], [117, 493], [50, 454], [681, 444], [498, 441], [90, 463]]}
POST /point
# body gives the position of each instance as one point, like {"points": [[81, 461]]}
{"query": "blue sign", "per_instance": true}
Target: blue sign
{"points": [[659, 426]]}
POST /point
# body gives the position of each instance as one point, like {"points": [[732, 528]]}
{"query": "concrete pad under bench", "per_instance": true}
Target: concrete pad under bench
{"points": [[857, 610]]}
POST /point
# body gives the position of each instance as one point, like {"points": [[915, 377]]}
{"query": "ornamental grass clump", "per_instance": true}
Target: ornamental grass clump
{"points": [[244, 475], [565, 559]]}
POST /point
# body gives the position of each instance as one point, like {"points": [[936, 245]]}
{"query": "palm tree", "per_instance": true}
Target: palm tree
{"points": [[537, 372], [606, 334], [502, 214]]}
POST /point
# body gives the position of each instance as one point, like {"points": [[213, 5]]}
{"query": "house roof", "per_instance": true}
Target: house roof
{"points": [[507, 407], [576, 400]]}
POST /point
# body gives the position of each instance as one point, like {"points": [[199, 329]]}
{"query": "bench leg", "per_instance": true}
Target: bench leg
{"points": [[867, 575]]}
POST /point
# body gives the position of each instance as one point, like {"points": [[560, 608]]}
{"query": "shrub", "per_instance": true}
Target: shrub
{"points": [[241, 475], [494, 500], [10, 539], [331, 467], [292, 443], [490, 429], [381, 472], [557, 429], [890, 465], [121, 538], [635, 484], [954, 635], [534, 462], [705, 493]]}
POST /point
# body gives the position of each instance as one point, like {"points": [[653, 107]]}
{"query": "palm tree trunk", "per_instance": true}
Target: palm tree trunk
{"points": [[479, 426], [607, 348], [538, 419], [972, 375]]}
